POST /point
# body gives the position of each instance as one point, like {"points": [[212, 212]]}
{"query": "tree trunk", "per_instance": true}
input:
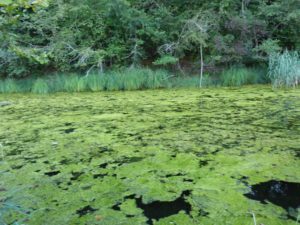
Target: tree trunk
{"points": [[100, 65], [202, 64], [243, 8]]}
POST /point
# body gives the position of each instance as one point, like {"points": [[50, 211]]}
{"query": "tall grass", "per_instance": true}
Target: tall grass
{"points": [[57, 83], [284, 69], [40, 86], [127, 79], [114, 81], [96, 82], [2, 86], [236, 76], [192, 82], [134, 79], [75, 83], [158, 79], [9, 86]]}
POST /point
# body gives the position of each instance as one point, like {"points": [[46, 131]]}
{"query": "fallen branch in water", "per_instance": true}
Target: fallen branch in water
{"points": [[254, 218]]}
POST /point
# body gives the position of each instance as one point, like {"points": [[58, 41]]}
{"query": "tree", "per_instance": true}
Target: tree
{"points": [[196, 32], [80, 35]]}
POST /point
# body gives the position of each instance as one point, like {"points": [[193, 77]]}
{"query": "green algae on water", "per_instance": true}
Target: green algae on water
{"points": [[87, 158]]}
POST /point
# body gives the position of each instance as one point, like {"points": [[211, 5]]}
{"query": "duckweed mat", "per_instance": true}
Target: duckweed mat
{"points": [[180, 157]]}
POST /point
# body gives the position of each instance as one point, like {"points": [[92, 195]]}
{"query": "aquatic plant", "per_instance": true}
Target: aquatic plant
{"points": [[9, 86], [114, 81], [111, 158], [75, 83], [96, 82], [156, 79], [40, 86], [235, 76], [134, 79], [284, 69], [126, 79], [11, 202], [2, 87], [192, 82], [25, 85]]}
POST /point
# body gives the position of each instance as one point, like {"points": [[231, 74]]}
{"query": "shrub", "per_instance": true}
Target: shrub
{"points": [[166, 60], [284, 69], [40, 86]]}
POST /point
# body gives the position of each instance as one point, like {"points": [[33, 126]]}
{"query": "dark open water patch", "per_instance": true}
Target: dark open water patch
{"points": [[100, 175], [103, 165], [70, 130], [85, 210], [76, 175], [281, 193], [158, 209], [52, 173]]}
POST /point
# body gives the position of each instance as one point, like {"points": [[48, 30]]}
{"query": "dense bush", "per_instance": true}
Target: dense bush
{"points": [[83, 36]]}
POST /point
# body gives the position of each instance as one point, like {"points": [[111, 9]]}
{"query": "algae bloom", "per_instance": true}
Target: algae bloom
{"points": [[151, 157]]}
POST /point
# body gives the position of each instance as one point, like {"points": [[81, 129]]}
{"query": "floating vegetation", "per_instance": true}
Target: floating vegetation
{"points": [[130, 157]]}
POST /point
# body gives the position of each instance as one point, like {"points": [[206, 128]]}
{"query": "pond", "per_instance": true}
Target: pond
{"points": [[209, 156]]}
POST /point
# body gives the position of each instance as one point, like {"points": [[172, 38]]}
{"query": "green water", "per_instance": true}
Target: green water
{"points": [[63, 153]]}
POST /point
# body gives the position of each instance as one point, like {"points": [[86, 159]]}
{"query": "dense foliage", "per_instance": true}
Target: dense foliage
{"points": [[85, 35]]}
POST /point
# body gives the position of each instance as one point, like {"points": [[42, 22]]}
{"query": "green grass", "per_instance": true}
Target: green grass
{"points": [[158, 79], [96, 82], [134, 79], [192, 82], [114, 81], [75, 83], [128, 80], [10, 86], [236, 76], [40, 86]]}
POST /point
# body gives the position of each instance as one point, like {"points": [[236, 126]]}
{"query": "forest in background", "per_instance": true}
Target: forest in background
{"points": [[40, 36]]}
